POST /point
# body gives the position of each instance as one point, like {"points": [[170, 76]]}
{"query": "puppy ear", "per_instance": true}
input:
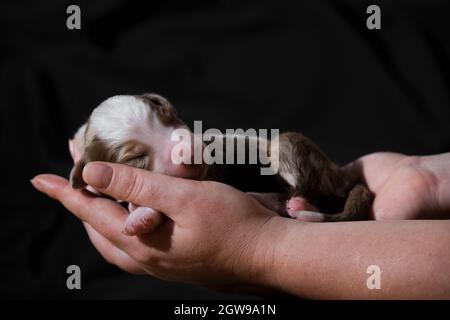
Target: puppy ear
{"points": [[155, 99], [163, 108], [76, 175]]}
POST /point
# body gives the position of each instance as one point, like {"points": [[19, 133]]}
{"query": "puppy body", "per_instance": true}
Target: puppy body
{"points": [[137, 130]]}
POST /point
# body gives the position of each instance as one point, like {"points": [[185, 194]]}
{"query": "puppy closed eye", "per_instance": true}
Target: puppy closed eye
{"points": [[140, 161]]}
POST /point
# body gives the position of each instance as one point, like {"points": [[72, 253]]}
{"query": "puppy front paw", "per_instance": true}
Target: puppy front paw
{"points": [[142, 220]]}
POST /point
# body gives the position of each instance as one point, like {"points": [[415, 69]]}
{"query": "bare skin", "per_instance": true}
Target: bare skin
{"points": [[219, 236], [406, 187]]}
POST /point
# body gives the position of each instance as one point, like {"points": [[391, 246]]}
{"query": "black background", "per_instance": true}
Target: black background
{"points": [[310, 66]]}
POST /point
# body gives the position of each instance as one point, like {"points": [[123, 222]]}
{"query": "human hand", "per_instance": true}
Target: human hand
{"points": [[268, 200], [214, 235], [405, 187]]}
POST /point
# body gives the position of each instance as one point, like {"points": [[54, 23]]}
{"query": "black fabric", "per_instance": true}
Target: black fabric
{"points": [[310, 66]]}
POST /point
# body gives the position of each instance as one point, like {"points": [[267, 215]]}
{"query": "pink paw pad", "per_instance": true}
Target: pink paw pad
{"points": [[296, 204]]}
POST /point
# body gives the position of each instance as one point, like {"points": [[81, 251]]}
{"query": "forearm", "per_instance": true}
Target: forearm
{"points": [[330, 260]]}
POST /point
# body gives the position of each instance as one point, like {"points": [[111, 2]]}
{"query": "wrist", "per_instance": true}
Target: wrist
{"points": [[270, 243]]}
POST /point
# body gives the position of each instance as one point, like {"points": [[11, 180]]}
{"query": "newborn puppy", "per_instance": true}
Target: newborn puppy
{"points": [[136, 130]]}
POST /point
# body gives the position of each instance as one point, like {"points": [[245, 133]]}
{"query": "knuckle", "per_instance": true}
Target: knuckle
{"points": [[133, 187]]}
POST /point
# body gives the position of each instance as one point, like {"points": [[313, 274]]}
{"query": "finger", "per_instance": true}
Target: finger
{"points": [[111, 253], [148, 189], [105, 216], [142, 220]]}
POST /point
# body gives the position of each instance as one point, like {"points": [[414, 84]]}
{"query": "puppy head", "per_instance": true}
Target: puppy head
{"points": [[132, 130]]}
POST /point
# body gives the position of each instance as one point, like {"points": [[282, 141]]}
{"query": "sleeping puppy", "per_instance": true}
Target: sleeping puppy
{"points": [[137, 131]]}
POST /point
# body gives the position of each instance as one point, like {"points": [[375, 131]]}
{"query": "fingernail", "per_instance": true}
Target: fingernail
{"points": [[36, 183], [41, 184], [98, 175]]}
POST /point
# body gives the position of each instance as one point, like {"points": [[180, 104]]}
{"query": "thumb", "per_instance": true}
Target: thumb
{"points": [[144, 188]]}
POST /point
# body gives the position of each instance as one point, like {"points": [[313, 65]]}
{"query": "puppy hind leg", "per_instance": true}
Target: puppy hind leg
{"points": [[357, 207]]}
